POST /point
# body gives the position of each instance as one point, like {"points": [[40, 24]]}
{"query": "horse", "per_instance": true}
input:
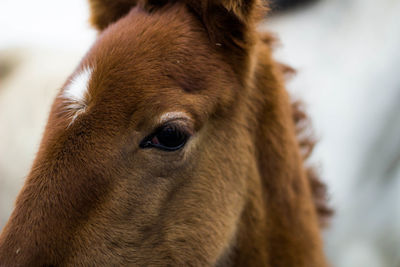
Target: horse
{"points": [[173, 143]]}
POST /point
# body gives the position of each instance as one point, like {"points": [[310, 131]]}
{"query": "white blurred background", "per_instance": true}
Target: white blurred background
{"points": [[347, 54]]}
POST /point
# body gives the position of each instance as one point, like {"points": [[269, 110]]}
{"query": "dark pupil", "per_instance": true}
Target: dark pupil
{"points": [[170, 137]]}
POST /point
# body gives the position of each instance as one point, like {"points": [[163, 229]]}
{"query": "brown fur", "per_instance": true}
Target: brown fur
{"points": [[238, 193]]}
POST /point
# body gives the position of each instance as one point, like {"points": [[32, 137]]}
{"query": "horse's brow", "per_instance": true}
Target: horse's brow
{"points": [[168, 116]]}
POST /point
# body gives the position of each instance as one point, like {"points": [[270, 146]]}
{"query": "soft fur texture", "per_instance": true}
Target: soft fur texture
{"points": [[237, 194]]}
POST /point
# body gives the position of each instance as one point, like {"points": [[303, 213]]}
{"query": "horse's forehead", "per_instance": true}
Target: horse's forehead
{"points": [[143, 50], [152, 63], [142, 61]]}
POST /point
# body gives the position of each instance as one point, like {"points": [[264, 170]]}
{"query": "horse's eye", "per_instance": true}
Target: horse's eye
{"points": [[168, 137]]}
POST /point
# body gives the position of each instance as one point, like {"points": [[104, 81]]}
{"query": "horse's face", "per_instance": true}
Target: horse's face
{"points": [[136, 164]]}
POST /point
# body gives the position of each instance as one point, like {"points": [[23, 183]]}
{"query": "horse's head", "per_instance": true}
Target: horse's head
{"points": [[172, 143]]}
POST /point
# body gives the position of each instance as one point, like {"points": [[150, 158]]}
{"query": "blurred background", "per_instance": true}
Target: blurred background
{"points": [[347, 54]]}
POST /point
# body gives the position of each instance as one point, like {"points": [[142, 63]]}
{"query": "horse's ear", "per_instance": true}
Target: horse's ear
{"points": [[229, 22], [105, 12], [231, 27]]}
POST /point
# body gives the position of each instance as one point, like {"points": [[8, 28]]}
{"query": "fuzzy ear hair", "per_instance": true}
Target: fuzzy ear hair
{"points": [[231, 26], [229, 22], [105, 12]]}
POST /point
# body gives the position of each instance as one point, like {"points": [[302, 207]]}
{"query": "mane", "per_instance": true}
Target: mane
{"points": [[306, 141]]}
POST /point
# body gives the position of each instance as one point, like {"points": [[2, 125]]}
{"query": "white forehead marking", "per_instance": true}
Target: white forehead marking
{"points": [[75, 94], [78, 87], [173, 115]]}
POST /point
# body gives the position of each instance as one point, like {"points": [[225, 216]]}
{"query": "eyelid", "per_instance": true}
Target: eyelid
{"points": [[175, 115], [182, 123]]}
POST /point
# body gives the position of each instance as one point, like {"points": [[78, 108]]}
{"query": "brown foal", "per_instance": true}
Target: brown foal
{"points": [[174, 143]]}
